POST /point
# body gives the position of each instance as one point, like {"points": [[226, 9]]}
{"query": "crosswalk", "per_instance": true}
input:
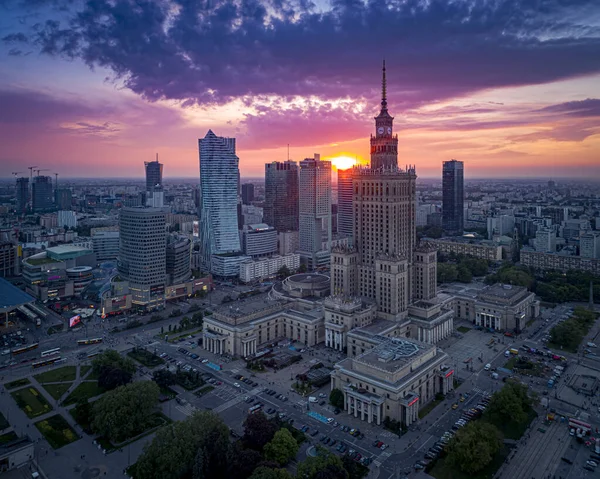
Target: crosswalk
{"points": [[388, 434], [480, 391], [382, 457], [187, 409], [232, 402]]}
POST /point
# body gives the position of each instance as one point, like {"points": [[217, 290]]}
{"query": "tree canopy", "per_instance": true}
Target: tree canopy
{"points": [[112, 369], [258, 431], [336, 398], [509, 405], [268, 473], [126, 411], [474, 447], [173, 453], [282, 448], [323, 466]]}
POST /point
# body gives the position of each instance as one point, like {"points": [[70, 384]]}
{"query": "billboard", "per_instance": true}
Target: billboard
{"points": [[74, 321], [195, 229]]}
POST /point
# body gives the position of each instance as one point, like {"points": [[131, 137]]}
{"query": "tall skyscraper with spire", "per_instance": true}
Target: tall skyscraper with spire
{"points": [[383, 262]]}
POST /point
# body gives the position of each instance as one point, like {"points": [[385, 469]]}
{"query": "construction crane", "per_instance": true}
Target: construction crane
{"points": [[31, 173], [41, 169]]}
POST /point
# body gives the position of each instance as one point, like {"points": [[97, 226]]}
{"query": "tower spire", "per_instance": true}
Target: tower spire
{"points": [[383, 89]]}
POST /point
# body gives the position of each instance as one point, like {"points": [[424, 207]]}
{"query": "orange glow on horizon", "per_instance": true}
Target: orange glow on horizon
{"points": [[344, 161]]}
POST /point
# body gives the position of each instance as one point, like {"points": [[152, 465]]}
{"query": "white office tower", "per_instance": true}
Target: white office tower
{"points": [[67, 218], [315, 211], [218, 232], [142, 255], [155, 198]]}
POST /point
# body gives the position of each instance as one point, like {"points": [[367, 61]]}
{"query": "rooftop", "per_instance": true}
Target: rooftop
{"points": [[67, 251], [11, 297], [393, 354], [309, 278]]}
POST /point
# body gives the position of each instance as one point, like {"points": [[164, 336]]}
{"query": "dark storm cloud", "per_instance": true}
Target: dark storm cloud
{"points": [[589, 107], [213, 51]]}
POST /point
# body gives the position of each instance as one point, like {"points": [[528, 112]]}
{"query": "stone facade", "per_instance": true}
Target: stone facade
{"points": [[394, 379]]}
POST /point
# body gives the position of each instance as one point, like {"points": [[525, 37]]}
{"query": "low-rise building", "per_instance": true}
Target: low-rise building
{"points": [[558, 262], [240, 329], [482, 249], [501, 307], [255, 269], [394, 379]]}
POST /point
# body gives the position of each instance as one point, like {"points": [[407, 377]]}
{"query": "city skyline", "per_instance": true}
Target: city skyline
{"points": [[509, 90]]}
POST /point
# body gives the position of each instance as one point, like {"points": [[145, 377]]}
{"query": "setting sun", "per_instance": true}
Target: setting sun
{"points": [[343, 162]]}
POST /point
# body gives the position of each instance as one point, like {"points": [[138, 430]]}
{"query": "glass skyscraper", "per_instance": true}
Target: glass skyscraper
{"points": [[345, 215], [281, 195], [453, 197], [219, 235]]}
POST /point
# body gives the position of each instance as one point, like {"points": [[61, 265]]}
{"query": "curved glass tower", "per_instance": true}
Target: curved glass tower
{"points": [[218, 200]]}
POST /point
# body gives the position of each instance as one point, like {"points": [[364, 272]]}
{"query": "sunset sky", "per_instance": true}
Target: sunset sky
{"points": [[96, 88]]}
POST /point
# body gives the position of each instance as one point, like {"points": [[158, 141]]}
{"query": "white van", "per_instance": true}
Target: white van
{"points": [[488, 366], [506, 354], [312, 399]]}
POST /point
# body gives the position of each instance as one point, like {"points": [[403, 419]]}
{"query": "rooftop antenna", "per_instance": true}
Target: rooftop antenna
{"points": [[288, 152], [383, 89], [56, 183]]}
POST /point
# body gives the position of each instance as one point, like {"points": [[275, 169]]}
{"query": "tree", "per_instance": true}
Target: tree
{"points": [[463, 274], [242, 462], [284, 272], [268, 473], [336, 398], [446, 273], [173, 452], [164, 378], [258, 431], [474, 447], [302, 268], [354, 469], [323, 466], [508, 406], [113, 370], [282, 448], [126, 411]]}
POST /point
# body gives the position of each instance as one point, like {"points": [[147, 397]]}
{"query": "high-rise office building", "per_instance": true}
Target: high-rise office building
{"points": [[142, 255], [384, 265], [281, 195], [179, 259], [453, 197], [63, 198], [315, 211], [345, 217], [41, 193], [218, 212], [154, 174], [247, 193], [22, 195]]}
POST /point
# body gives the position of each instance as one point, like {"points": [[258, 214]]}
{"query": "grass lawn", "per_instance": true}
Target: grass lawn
{"points": [[442, 471], [57, 390], [31, 402], [146, 358], [86, 390], [8, 437], [57, 431], [158, 419], [429, 407], [510, 364], [83, 416], [17, 383], [166, 393], [463, 329], [83, 370], [66, 373], [3, 422], [516, 431]]}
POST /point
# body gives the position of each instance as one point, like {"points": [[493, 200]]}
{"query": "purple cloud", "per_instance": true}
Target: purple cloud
{"points": [[213, 52], [589, 107]]}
